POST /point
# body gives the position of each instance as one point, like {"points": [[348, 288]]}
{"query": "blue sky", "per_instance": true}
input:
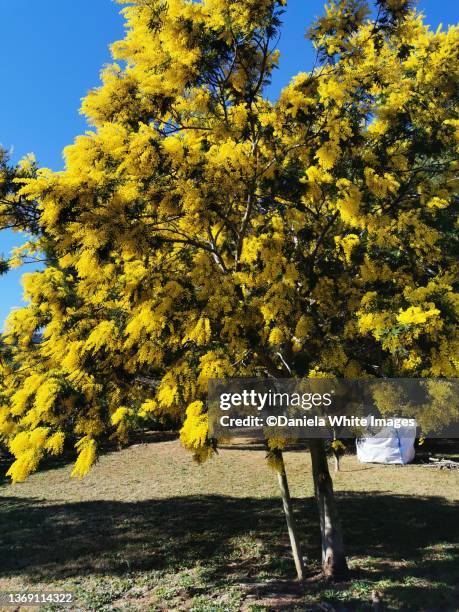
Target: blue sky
{"points": [[51, 53]]}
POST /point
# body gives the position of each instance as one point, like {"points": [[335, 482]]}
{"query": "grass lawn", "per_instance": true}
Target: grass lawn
{"points": [[149, 530]]}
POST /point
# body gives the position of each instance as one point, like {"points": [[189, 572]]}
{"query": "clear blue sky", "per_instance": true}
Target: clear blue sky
{"points": [[51, 53]]}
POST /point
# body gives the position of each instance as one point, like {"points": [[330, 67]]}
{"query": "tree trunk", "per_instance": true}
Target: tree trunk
{"points": [[337, 459], [333, 558], [291, 526]]}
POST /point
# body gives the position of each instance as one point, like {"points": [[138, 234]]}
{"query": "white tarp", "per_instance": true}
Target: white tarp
{"points": [[388, 445]]}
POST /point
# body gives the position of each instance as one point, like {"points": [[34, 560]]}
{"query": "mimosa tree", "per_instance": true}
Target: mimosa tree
{"points": [[202, 231]]}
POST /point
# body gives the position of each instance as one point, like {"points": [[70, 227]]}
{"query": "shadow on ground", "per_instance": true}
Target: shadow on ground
{"points": [[409, 540]]}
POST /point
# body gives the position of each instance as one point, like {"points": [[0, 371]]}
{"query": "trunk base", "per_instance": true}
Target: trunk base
{"points": [[335, 572]]}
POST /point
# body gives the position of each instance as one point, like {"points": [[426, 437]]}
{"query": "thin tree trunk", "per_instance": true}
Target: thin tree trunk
{"points": [[333, 558], [337, 459], [291, 525]]}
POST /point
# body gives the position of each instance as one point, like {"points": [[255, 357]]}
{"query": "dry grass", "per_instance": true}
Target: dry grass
{"points": [[149, 530]]}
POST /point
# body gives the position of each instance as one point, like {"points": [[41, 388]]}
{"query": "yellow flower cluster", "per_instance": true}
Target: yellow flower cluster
{"points": [[200, 230]]}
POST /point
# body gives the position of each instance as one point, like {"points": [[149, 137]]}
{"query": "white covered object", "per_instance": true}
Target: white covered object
{"points": [[390, 445]]}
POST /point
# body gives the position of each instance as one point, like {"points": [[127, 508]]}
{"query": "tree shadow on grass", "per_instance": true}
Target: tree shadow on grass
{"points": [[407, 540]]}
